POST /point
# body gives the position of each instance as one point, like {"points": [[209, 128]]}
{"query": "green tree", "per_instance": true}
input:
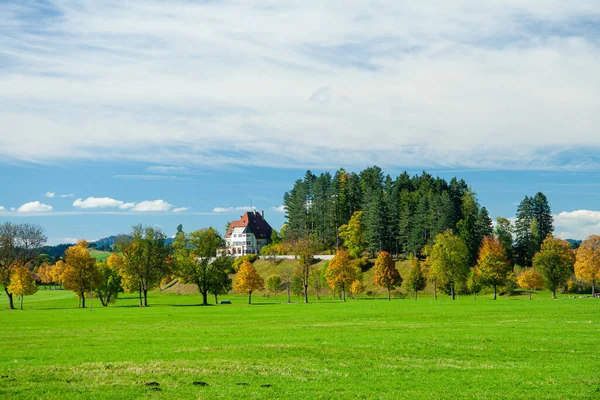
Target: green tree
{"points": [[144, 259], [304, 250], [219, 274], [555, 261], [274, 284], [297, 286], [110, 284], [353, 235], [450, 260], [504, 233], [194, 254], [416, 280]]}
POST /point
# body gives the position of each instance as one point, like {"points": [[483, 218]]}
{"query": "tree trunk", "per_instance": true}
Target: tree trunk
{"points": [[11, 304], [216, 298], [434, 290], [82, 299], [452, 291], [529, 294], [141, 303], [494, 292], [249, 296], [389, 294], [20, 302], [593, 288], [416, 292], [204, 298], [306, 293], [145, 298], [554, 292], [344, 295], [289, 294]]}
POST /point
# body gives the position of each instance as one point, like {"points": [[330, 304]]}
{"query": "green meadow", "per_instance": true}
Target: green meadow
{"points": [[366, 349]]}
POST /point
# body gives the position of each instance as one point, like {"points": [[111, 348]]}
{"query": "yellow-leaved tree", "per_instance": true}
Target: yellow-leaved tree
{"points": [[386, 274], [357, 288], [341, 272], [80, 274], [492, 264], [530, 280], [353, 235], [248, 280], [44, 273], [555, 261], [56, 272], [22, 283], [587, 264]]}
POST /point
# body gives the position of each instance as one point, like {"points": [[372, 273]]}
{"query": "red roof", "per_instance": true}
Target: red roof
{"points": [[255, 223]]}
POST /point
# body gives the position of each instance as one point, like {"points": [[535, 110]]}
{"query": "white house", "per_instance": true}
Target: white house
{"points": [[248, 234]]}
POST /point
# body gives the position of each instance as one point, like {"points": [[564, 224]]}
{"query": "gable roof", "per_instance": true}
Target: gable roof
{"points": [[254, 222]]}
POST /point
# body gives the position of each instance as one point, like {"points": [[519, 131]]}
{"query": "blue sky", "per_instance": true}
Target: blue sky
{"points": [[128, 111]]}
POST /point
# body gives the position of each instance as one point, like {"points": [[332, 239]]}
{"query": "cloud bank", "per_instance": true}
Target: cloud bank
{"points": [[34, 207], [107, 202], [509, 84]]}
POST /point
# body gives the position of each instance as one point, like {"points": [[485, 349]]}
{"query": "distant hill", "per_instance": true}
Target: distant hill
{"points": [[574, 243]]}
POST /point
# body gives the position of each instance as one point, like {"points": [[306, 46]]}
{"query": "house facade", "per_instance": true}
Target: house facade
{"points": [[248, 234]]}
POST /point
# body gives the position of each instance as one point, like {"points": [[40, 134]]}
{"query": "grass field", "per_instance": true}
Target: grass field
{"points": [[99, 255], [366, 349]]}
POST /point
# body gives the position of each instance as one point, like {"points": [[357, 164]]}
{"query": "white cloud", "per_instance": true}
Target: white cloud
{"points": [[2, 208], [34, 207], [426, 83], [180, 209], [148, 177], [97, 202], [50, 194], [107, 202], [222, 209], [578, 224], [152, 205], [166, 169], [280, 209], [65, 195]]}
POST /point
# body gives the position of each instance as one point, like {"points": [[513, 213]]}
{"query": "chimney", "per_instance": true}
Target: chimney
{"points": [[262, 213]]}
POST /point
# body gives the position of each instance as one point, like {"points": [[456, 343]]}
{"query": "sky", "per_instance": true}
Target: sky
{"points": [[114, 113]]}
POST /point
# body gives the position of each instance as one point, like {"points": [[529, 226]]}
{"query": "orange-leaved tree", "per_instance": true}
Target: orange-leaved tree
{"points": [[44, 273], [492, 264], [341, 272], [587, 264], [386, 274], [57, 272], [530, 280], [248, 280], [22, 283], [80, 274]]}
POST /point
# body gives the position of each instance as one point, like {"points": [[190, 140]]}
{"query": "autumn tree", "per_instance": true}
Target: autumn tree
{"points": [[274, 284], [57, 272], [110, 284], [194, 254], [19, 246], [248, 280], [22, 283], [555, 261], [44, 273], [492, 264], [341, 272], [504, 233], [587, 264], [357, 288], [449, 260], [386, 274], [144, 260], [416, 280], [530, 280], [353, 235], [80, 274], [286, 273]]}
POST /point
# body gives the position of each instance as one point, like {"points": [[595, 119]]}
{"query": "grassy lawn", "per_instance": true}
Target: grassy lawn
{"points": [[99, 255], [367, 349]]}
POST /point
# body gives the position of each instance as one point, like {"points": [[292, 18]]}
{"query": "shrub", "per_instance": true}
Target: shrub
{"points": [[238, 261]]}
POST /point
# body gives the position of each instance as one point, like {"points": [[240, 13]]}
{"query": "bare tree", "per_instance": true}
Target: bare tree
{"points": [[19, 245]]}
